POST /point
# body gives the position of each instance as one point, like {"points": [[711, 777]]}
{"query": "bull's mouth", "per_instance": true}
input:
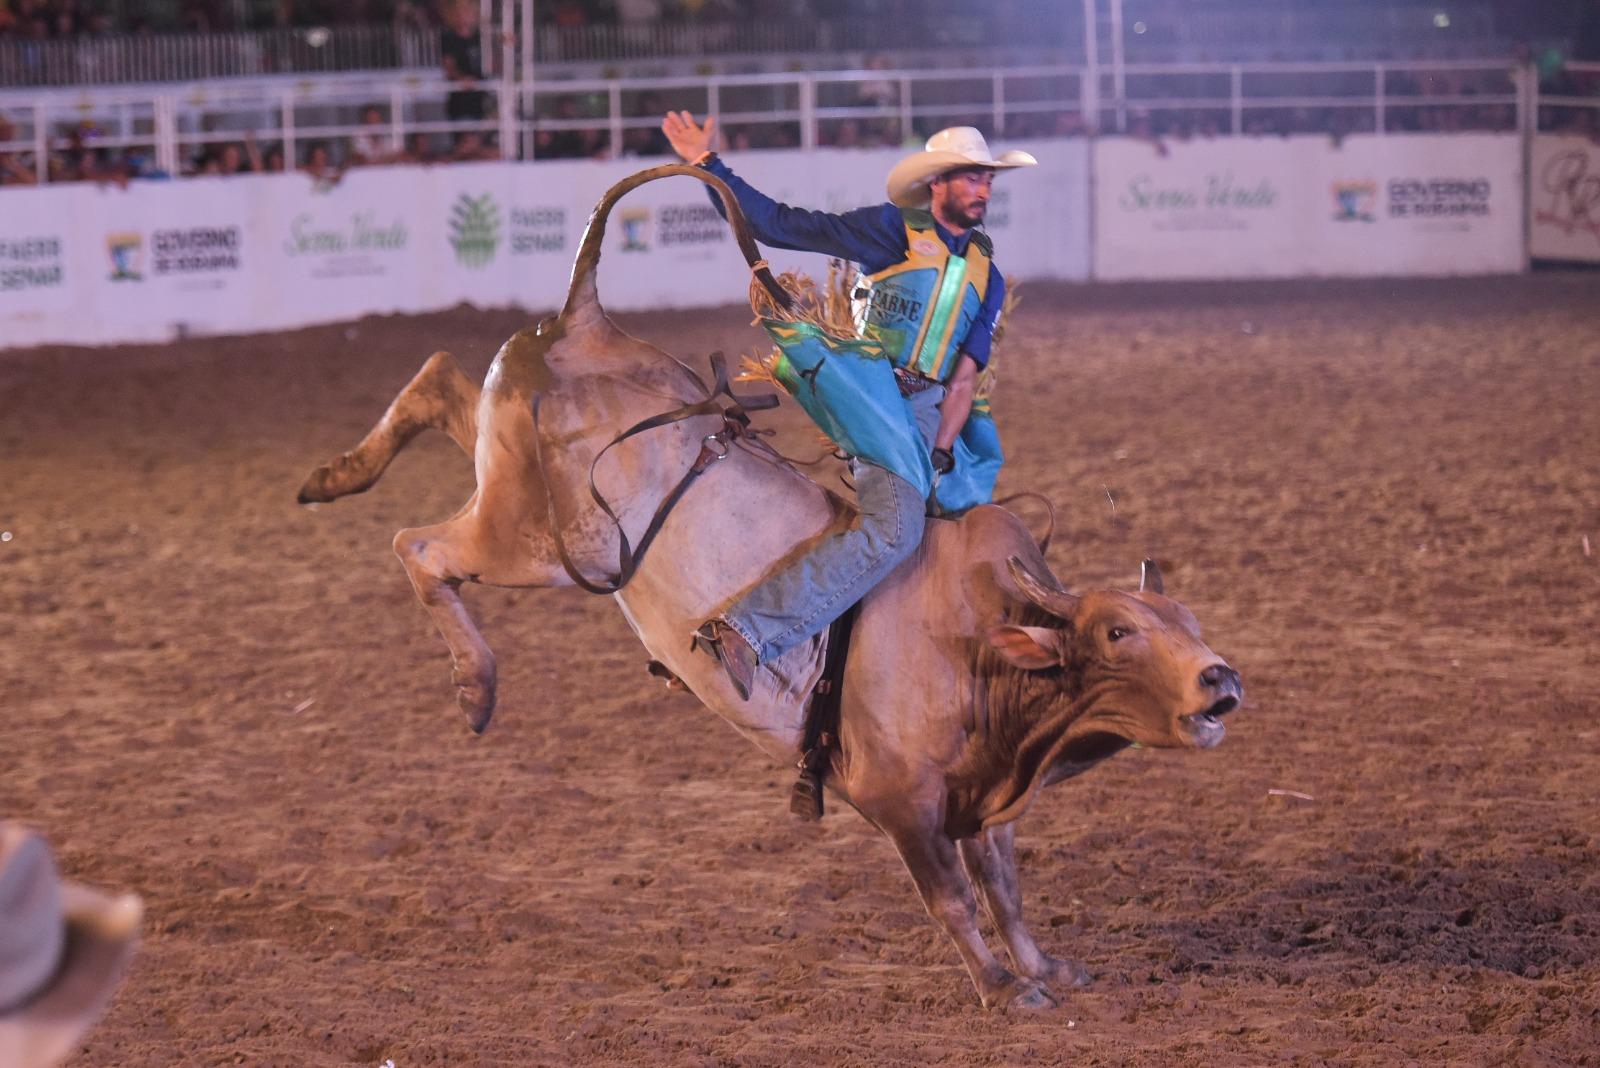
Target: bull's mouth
{"points": [[1204, 729]]}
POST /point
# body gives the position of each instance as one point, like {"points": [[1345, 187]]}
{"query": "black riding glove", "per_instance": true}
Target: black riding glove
{"points": [[943, 461]]}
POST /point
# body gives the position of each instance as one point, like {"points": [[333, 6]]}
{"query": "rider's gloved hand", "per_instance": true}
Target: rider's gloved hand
{"points": [[943, 461]]}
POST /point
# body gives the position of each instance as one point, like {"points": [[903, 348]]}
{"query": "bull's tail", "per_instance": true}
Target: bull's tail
{"points": [[583, 299]]}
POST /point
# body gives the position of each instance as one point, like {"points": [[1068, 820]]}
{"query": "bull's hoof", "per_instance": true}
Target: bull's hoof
{"points": [[316, 489], [475, 698], [331, 481], [1065, 974], [1019, 994]]}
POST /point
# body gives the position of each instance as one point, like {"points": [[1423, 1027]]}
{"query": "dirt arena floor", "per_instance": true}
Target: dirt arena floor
{"points": [[1374, 495]]}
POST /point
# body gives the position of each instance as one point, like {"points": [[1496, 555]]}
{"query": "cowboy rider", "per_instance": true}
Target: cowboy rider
{"points": [[938, 336]]}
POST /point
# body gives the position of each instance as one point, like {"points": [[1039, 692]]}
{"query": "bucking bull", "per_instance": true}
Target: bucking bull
{"points": [[973, 678]]}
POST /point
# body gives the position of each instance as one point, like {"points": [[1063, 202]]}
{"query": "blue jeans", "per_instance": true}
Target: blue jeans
{"points": [[801, 599]]}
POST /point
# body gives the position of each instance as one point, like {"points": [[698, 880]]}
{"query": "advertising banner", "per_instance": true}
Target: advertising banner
{"points": [[43, 275], [342, 251], [1430, 204], [461, 230], [84, 263], [1196, 209], [1565, 198], [173, 258]]}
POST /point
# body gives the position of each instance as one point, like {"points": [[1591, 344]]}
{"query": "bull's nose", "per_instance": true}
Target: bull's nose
{"points": [[1220, 677]]}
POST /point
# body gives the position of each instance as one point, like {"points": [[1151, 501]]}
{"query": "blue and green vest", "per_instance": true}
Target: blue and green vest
{"points": [[921, 308], [914, 314]]}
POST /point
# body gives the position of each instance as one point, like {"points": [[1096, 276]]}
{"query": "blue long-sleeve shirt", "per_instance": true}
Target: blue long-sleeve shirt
{"points": [[872, 237]]}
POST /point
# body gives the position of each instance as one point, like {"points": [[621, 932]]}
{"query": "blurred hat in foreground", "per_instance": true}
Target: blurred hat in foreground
{"points": [[63, 949]]}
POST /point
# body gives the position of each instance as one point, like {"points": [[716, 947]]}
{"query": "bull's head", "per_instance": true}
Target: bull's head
{"points": [[1134, 660]]}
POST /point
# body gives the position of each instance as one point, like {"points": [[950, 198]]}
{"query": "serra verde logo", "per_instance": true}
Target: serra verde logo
{"points": [[1215, 192], [475, 229]]}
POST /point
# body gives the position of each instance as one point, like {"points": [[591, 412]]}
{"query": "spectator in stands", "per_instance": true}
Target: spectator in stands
{"points": [[461, 51], [232, 159], [375, 143], [569, 13], [418, 149], [470, 147], [319, 165], [647, 141], [13, 171], [563, 142]]}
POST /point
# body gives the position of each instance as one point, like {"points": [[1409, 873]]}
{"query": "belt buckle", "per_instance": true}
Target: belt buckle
{"points": [[909, 382]]}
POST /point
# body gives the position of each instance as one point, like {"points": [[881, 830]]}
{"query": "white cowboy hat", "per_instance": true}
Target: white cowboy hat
{"points": [[948, 150], [63, 948]]}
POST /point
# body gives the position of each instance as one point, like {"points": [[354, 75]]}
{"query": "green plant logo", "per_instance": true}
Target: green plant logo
{"points": [[475, 229]]}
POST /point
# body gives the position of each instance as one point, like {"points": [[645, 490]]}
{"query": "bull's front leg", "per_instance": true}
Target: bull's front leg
{"points": [[932, 859], [990, 860]]}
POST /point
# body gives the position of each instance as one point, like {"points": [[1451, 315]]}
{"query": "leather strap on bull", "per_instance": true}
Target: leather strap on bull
{"points": [[713, 447]]}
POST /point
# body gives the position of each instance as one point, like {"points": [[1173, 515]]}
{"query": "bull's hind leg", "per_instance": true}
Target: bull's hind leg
{"points": [[496, 540], [990, 860], [440, 396]]}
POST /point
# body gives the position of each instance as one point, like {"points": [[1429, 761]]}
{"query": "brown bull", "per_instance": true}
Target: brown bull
{"points": [[973, 680]]}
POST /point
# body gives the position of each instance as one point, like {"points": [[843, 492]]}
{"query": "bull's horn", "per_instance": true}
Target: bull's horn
{"points": [[1150, 577], [1041, 591]]}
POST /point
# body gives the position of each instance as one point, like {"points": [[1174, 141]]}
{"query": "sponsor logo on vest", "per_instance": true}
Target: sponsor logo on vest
{"points": [[535, 230], [30, 263], [1569, 194], [1355, 201], [636, 230], [926, 246], [1438, 198], [690, 224], [475, 229], [889, 303], [127, 253]]}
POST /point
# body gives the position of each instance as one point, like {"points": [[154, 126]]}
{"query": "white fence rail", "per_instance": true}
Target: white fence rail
{"points": [[616, 117]]}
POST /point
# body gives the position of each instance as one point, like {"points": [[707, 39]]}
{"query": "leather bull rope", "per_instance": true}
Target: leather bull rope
{"points": [[713, 447]]}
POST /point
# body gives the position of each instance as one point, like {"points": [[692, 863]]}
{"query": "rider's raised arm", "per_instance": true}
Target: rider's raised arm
{"points": [[872, 235]]}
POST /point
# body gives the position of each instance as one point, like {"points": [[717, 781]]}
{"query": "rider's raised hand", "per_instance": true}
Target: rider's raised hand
{"points": [[689, 140]]}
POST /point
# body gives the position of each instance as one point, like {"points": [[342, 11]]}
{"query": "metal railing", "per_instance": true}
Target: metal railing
{"points": [[1149, 31], [1264, 98], [121, 59], [611, 117], [1572, 102]]}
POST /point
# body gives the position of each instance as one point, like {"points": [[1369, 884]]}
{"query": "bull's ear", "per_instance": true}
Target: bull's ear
{"points": [[1029, 648], [1150, 578]]}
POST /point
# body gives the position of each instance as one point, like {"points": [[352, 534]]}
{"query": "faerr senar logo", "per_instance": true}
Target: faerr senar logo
{"points": [[475, 229]]}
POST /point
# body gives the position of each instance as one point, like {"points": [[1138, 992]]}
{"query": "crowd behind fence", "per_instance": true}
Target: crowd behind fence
{"points": [[127, 134], [77, 42]]}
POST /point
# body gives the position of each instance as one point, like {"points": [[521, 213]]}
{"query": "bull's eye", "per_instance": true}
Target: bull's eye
{"points": [[1116, 634]]}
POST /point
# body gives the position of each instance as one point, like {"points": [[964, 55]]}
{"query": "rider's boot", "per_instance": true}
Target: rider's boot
{"points": [[738, 659]]}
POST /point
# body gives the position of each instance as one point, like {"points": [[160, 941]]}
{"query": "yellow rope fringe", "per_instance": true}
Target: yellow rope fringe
{"points": [[829, 308]]}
